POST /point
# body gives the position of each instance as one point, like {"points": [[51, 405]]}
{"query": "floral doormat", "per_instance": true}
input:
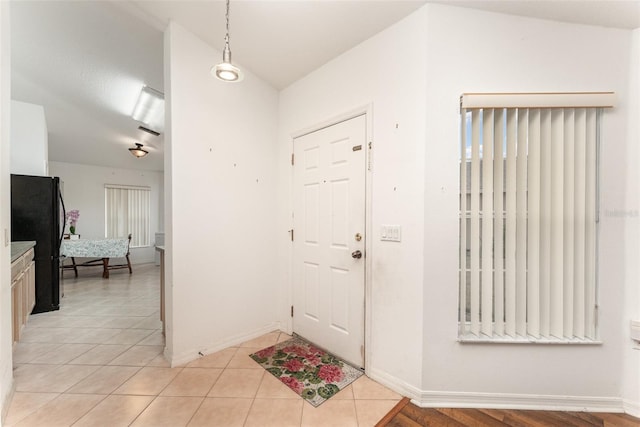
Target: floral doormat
{"points": [[312, 373]]}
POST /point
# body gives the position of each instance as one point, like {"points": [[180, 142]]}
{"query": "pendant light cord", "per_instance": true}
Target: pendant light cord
{"points": [[226, 37], [226, 53]]}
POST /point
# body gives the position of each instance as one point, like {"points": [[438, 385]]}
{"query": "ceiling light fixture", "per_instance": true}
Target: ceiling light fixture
{"points": [[225, 71], [138, 151], [149, 108]]}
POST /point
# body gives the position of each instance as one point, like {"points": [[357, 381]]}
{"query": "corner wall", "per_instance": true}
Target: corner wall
{"points": [[6, 340], [631, 352], [220, 202], [388, 74], [443, 51], [473, 51], [84, 190]]}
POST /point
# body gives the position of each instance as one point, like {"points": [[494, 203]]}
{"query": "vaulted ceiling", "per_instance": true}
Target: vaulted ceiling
{"points": [[85, 61]]}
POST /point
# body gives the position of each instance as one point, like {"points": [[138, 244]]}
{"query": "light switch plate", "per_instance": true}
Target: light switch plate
{"points": [[391, 233]]}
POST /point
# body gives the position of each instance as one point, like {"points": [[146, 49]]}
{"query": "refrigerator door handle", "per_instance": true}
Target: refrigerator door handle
{"points": [[64, 216]]}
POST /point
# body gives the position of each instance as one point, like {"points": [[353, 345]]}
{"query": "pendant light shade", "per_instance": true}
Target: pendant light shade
{"points": [[138, 151], [226, 71]]}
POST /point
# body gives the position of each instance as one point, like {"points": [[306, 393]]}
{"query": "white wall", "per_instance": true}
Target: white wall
{"points": [[631, 391], [220, 202], [84, 190], [473, 51], [387, 72], [441, 52], [29, 139], [6, 364]]}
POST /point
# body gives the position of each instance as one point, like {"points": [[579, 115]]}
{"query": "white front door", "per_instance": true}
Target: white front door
{"points": [[329, 240]]}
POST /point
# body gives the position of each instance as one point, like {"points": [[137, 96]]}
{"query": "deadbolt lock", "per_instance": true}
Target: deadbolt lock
{"points": [[358, 237]]}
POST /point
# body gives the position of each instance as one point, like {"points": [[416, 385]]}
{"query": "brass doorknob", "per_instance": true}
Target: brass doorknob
{"points": [[356, 254]]}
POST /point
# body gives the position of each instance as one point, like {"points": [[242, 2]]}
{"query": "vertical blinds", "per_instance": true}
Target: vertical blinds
{"points": [[128, 212], [528, 217]]}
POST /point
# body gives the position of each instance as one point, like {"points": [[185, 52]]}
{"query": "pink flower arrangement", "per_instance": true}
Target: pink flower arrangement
{"points": [[72, 219], [330, 373], [293, 384], [293, 365]]}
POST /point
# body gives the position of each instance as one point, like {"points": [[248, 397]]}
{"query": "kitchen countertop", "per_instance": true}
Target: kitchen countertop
{"points": [[19, 248]]}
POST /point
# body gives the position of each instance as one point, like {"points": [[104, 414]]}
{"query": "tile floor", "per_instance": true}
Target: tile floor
{"points": [[98, 362]]}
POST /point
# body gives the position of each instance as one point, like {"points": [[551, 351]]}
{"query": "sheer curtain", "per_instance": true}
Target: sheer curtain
{"points": [[127, 212]]}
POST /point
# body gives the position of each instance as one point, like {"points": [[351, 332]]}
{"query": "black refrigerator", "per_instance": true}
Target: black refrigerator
{"points": [[37, 213]]}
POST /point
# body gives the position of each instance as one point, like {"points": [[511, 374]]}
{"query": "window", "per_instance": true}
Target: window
{"points": [[127, 212], [528, 217]]}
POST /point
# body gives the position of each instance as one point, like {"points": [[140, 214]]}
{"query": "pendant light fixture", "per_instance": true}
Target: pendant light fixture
{"points": [[138, 151], [225, 71]]}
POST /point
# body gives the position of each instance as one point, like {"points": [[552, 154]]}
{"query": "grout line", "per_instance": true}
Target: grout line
{"points": [[90, 409], [214, 382], [197, 409], [246, 417], [143, 409]]}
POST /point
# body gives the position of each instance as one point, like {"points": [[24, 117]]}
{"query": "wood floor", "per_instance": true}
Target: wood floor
{"points": [[406, 414]]}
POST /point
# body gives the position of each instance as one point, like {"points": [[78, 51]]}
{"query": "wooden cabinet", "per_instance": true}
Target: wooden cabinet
{"points": [[23, 291]]}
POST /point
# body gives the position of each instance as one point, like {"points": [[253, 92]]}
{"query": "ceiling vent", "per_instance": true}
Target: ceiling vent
{"points": [[152, 132]]}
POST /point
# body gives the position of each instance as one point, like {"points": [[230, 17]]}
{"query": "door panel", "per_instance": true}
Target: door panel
{"points": [[311, 291], [329, 210]]}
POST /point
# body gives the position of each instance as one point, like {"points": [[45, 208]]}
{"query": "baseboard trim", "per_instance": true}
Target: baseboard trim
{"points": [[631, 408], [191, 355], [451, 399], [430, 399]]}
